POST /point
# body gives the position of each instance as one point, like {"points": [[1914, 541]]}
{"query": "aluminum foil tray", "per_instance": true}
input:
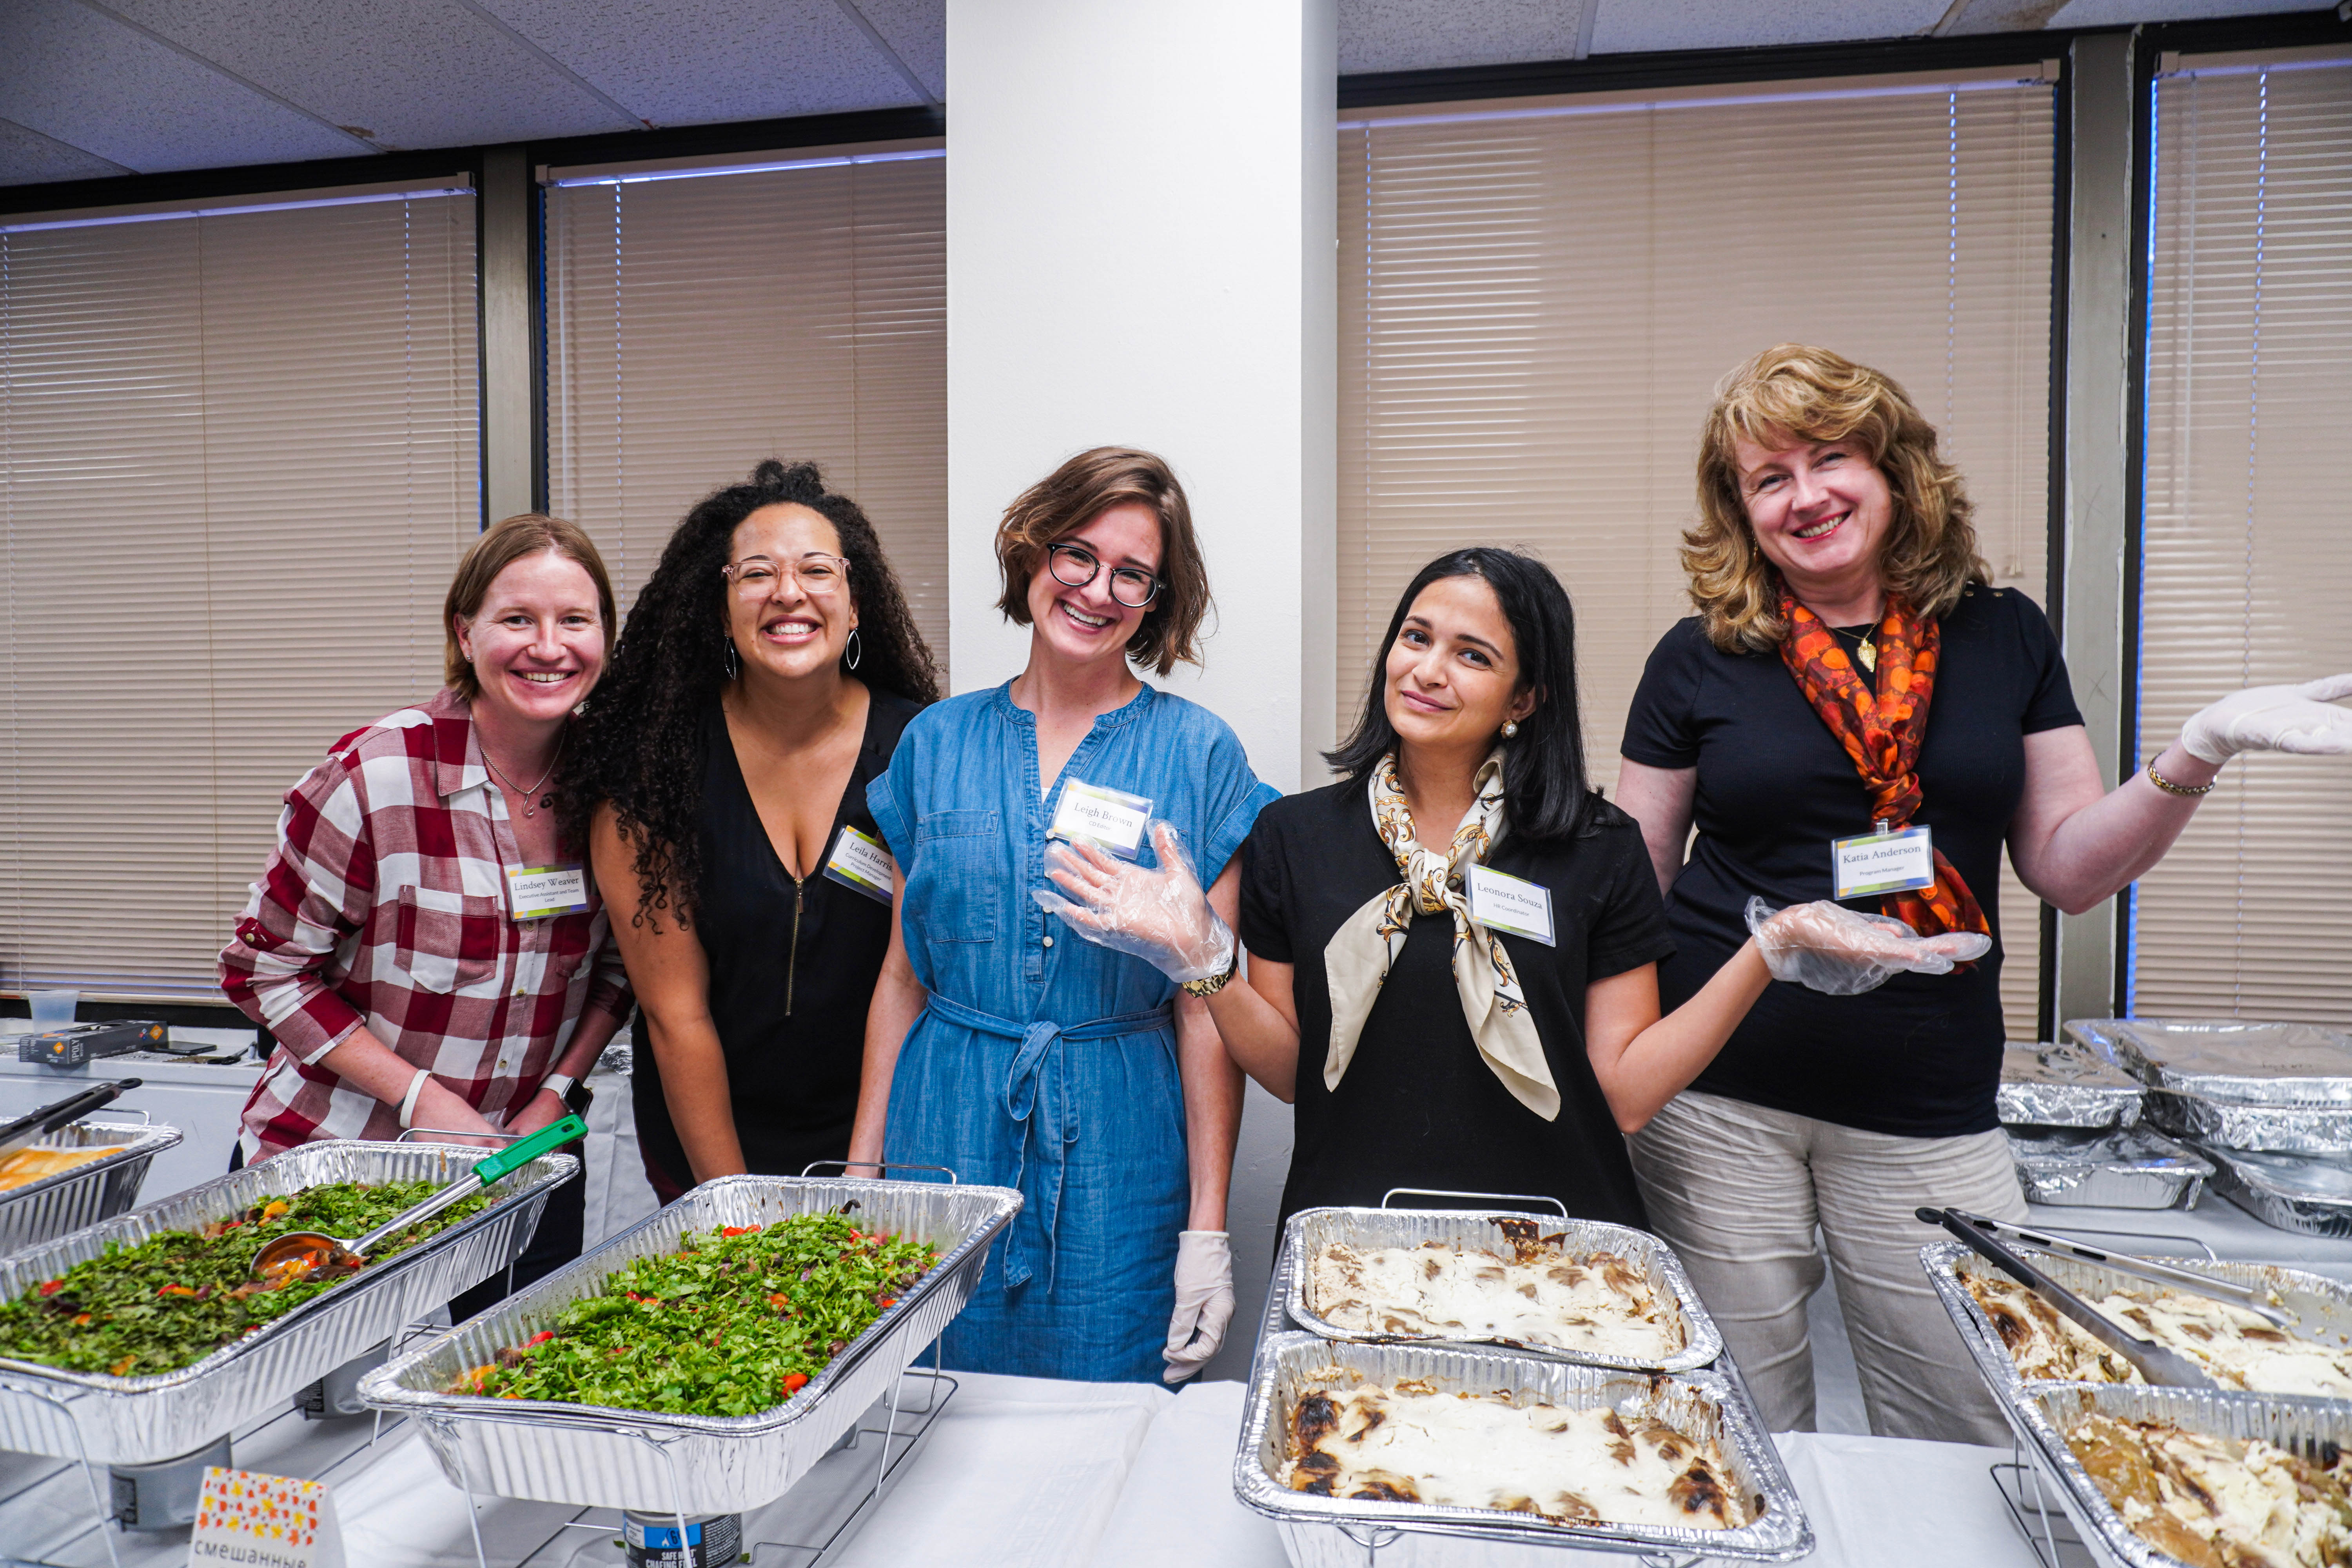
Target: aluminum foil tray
{"points": [[591, 1456], [2228, 1059], [2045, 1413], [1311, 1230], [2286, 1191], [2123, 1168], [1332, 1532], [2065, 1085], [2322, 1308], [43, 1210], [139, 1420]]}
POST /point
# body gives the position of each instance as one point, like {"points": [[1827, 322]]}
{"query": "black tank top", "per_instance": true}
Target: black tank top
{"points": [[791, 971]]}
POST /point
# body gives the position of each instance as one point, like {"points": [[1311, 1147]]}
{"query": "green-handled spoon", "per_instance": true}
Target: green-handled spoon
{"points": [[299, 1253]]}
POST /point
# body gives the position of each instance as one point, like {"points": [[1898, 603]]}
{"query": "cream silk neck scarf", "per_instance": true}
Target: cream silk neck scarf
{"points": [[1357, 959]]}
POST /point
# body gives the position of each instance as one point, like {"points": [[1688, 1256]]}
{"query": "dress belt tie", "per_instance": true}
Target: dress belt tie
{"points": [[1048, 1113]]}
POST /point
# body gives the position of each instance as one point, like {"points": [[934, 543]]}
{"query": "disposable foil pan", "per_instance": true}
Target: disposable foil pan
{"points": [[593, 1456], [2065, 1085], [2286, 1191], [41, 1211], [1332, 1532], [2228, 1059], [1311, 1230], [2125, 1168], [2322, 1307], [139, 1420], [2304, 1426]]}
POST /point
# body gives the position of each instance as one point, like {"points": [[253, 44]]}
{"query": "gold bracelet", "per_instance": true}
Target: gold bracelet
{"points": [[2168, 787], [1211, 984]]}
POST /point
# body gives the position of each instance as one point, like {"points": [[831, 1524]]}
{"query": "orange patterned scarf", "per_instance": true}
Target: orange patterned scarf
{"points": [[1881, 732]]}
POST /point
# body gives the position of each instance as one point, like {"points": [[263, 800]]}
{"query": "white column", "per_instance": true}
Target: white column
{"points": [[1142, 240]]}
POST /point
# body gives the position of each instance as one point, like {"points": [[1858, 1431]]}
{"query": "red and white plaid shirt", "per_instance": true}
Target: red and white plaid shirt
{"points": [[385, 904]]}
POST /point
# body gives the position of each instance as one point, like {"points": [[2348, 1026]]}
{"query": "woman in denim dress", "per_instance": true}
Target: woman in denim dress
{"points": [[1002, 1047]]}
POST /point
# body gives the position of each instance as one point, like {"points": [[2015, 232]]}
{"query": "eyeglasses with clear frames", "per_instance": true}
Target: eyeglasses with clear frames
{"points": [[1073, 566], [757, 576]]}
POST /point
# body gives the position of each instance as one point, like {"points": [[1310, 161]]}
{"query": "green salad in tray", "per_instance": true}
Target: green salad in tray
{"points": [[171, 1301], [735, 1322]]}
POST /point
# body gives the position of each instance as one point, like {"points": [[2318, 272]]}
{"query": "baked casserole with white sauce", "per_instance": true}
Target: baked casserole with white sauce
{"points": [[2219, 1503], [2237, 1348]]}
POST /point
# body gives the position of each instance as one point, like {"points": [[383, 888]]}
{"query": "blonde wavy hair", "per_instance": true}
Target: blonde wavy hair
{"points": [[1929, 554]]}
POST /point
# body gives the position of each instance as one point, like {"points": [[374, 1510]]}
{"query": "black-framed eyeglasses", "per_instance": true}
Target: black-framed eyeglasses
{"points": [[1075, 566]]}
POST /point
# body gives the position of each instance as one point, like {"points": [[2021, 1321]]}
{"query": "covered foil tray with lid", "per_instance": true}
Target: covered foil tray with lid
{"points": [[2305, 1194], [2125, 1168], [592, 1456], [1311, 1230], [2283, 1088], [43, 1210], [138, 1420], [2308, 1427], [1333, 1532], [2067, 1084]]}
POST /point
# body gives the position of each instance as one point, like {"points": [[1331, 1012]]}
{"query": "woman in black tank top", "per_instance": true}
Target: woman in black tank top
{"points": [[765, 675]]}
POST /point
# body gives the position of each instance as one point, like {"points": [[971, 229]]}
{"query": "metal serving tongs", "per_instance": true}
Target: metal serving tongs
{"points": [[26, 1130], [299, 1253], [2252, 1297], [2165, 1368]]}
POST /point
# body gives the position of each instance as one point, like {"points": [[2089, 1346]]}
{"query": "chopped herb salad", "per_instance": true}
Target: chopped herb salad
{"points": [[735, 1322], [173, 1300]]}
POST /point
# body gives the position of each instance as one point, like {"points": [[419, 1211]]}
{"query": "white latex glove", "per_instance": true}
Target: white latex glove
{"points": [[2303, 720], [1832, 949], [1204, 1302], [1161, 917]]}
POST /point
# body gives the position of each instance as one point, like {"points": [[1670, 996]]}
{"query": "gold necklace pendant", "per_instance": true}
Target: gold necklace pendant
{"points": [[1868, 654]]}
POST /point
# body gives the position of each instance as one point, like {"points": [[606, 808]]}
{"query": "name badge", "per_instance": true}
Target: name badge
{"points": [[1501, 902], [1106, 816], [1878, 863], [859, 861], [536, 892]]}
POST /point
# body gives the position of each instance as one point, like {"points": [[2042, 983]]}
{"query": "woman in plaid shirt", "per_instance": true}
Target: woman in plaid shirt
{"points": [[410, 977]]}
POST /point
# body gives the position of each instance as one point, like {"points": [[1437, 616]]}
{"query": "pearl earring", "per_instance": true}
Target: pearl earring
{"points": [[1510, 728]]}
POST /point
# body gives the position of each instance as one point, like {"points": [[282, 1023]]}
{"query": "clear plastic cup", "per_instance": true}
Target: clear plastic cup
{"points": [[53, 1009]]}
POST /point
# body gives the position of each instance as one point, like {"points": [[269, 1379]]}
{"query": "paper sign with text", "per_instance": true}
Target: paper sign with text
{"points": [[250, 1521]]}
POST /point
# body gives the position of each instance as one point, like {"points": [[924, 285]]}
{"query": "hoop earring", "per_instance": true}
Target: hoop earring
{"points": [[1510, 728], [857, 648], [728, 660]]}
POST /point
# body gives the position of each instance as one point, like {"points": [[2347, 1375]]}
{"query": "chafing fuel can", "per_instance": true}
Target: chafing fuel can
{"points": [[650, 1540]]}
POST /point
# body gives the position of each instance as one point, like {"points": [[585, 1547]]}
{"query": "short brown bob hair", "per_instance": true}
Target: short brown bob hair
{"points": [[1081, 490], [500, 546], [1792, 391]]}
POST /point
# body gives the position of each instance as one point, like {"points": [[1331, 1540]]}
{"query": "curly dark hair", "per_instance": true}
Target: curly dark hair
{"points": [[639, 741]]}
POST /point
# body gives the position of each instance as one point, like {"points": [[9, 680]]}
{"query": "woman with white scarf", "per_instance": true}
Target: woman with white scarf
{"points": [[1463, 935]]}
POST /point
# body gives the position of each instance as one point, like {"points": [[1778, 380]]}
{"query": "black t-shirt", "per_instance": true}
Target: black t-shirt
{"points": [[1919, 1057], [1419, 1106], [790, 1007]]}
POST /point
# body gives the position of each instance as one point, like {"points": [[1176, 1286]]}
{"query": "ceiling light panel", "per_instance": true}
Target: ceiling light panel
{"points": [[429, 73], [697, 62]]}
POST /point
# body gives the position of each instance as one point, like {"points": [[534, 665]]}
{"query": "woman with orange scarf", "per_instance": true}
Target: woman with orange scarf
{"points": [[1853, 676]]}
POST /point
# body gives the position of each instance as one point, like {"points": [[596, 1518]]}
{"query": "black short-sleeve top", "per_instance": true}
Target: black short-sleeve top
{"points": [[1919, 1057], [792, 968], [1419, 1106]]}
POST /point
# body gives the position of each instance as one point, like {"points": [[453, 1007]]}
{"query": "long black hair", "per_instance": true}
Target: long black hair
{"points": [[1547, 794], [639, 742]]}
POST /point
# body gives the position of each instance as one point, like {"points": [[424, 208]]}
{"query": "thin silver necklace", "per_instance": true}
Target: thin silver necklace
{"points": [[529, 807]]}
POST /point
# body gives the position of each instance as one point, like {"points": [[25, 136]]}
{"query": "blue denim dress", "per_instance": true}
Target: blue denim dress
{"points": [[1043, 1061]]}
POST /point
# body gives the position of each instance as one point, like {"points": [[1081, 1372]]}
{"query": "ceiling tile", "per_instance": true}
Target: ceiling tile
{"points": [[2122, 13], [29, 158], [1627, 26], [428, 73], [1420, 34], [918, 31], [693, 62], [72, 75]]}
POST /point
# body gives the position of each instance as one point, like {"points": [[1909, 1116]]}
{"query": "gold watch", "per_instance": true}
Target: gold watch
{"points": [[1214, 983]]}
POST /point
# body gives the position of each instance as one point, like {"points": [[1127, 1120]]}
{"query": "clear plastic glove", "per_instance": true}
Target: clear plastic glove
{"points": [[1832, 949], [1161, 917], [1204, 1302], [2303, 720]]}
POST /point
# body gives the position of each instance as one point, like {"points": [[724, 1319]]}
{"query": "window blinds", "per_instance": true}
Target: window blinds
{"points": [[1535, 303], [2246, 548], [699, 324], [237, 463]]}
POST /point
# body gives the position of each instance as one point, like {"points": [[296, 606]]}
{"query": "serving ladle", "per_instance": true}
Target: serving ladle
{"points": [[301, 1254]]}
